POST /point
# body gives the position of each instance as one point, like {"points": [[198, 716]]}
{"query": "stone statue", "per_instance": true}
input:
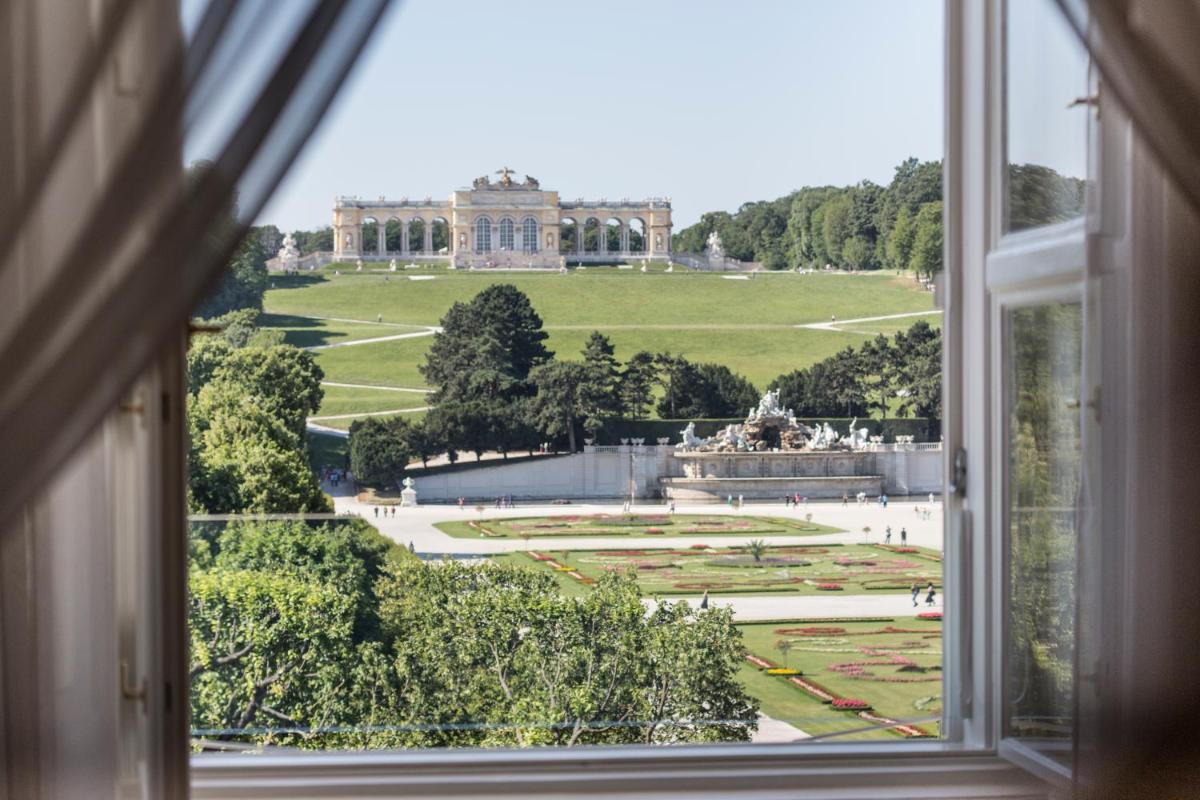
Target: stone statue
{"points": [[481, 182], [690, 441], [716, 250], [531, 182], [289, 252], [392, 265], [505, 176]]}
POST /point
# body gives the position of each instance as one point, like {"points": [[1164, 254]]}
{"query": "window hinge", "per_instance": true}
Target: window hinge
{"points": [[958, 480]]}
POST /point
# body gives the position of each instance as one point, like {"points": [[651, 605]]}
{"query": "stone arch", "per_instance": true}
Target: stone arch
{"points": [[393, 235], [371, 235], [483, 234], [507, 234], [529, 235], [635, 235], [614, 235], [592, 230], [568, 235], [416, 235], [439, 234]]}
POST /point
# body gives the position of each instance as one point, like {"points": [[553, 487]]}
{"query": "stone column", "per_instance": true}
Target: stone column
{"points": [[624, 238], [428, 237], [603, 237], [404, 238], [580, 230], [381, 236]]}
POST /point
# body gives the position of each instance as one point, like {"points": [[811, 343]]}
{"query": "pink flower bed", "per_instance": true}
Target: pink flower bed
{"points": [[850, 704], [829, 587], [812, 630], [929, 615]]}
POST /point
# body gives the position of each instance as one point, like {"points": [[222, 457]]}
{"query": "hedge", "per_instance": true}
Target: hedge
{"points": [[924, 429]]}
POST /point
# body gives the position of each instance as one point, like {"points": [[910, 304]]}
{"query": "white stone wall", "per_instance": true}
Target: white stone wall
{"points": [[608, 473]]}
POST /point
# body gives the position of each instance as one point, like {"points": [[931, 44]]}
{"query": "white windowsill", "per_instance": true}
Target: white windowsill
{"points": [[931, 770]]}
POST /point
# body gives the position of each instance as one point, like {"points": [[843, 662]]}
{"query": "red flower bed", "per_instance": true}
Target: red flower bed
{"points": [[829, 587], [699, 547], [653, 531], [814, 630], [625, 552], [929, 615], [850, 704], [704, 585]]}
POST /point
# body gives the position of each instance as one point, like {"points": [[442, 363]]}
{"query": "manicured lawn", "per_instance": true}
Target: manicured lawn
{"points": [[641, 526], [311, 332], [354, 400], [892, 664], [889, 326], [391, 363], [345, 423], [819, 569], [629, 297]]}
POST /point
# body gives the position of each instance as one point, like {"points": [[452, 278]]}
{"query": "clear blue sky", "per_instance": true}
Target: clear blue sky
{"points": [[710, 103]]}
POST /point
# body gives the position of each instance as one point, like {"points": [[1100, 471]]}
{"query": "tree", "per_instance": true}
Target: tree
{"points": [[559, 405], [379, 450], [784, 646], [724, 393], [756, 548], [205, 355], [599, 395], [876, 359], [635, 386], [421, 441], [856, 253], [900, 243], [927, 242], [487, 347], [836, 227], [244, 283], [285, 380]]}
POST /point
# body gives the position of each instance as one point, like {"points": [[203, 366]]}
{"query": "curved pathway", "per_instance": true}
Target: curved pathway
{"points": [[835, 325]]}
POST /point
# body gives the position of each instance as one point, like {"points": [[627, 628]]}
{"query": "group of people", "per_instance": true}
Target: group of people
{"points": [[385, 512], [735, 503], [333, 476], [794, 500], [887, 535], [916, 593]]}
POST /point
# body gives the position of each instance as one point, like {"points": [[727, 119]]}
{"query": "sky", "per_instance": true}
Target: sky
{"points": [[712, 104]]}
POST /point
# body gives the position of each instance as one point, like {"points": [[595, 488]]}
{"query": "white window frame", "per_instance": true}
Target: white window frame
{"points": [[508, 234], [529, 235], [483, 235], [970, 761]]}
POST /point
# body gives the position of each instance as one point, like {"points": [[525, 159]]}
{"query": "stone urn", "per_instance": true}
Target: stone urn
{"points": [[408, 496]]}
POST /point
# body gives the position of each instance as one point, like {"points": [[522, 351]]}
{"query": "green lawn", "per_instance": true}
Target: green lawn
{"points": [[892, 664], [354, 400], [642, 526], [790, 569], [345, 423], [747, 325], [890, 326]]}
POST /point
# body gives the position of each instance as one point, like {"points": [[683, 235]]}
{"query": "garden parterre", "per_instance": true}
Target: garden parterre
{"points": [[633, 525], [830, 676], [796, 569]]}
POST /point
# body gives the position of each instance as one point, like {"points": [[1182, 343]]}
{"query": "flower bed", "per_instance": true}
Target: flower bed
{"points": [[812, 630], [929, 615], [760, 662], [850, 704], [783, 671], [829, 587]]}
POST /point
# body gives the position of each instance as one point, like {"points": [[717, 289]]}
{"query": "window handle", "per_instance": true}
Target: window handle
{"points": [[132, 692]]}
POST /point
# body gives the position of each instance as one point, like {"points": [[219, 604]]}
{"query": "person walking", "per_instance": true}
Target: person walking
{"points": [[916, 592], [884, 499], [929, 597], [729, 500], [704, 601], [672, 508], [887, 535], [845, 499], [741, 502], [903, 535], [376, 512]]}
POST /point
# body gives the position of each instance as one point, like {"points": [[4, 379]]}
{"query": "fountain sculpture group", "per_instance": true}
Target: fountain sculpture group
{"points": [[773, 454]]}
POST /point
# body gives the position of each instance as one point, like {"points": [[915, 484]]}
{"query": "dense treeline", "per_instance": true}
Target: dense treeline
{"points": [[332, 636], [865, 226]]}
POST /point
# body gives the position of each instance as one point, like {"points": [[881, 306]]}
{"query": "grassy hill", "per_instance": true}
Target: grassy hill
{"points": [[748, 325]]}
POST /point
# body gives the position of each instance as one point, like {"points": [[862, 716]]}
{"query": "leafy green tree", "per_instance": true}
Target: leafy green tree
{"points": [[285, 380], [927, 242], [486, 347], [443, 424], [757, 548], [857, 253], [877, 362], [559, 403], [677, 376], [919, 370], [205, 355], [244, 283], [320, 240], [379, 450], [243, 458], [724, 393], [497, 644], [836, 227], [900, 243], [421, 441], [635, 386]]}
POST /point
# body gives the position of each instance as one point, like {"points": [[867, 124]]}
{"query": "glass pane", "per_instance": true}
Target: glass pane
{"points": [[1045, 133], [1044, 347]]}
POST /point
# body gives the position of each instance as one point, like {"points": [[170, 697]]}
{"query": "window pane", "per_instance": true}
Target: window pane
{"points": [[1044, 346], [1046, 135]]}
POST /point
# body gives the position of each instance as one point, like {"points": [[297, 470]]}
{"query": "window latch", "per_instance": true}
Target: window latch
{"points": [[137, 692], [958, 481]]}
